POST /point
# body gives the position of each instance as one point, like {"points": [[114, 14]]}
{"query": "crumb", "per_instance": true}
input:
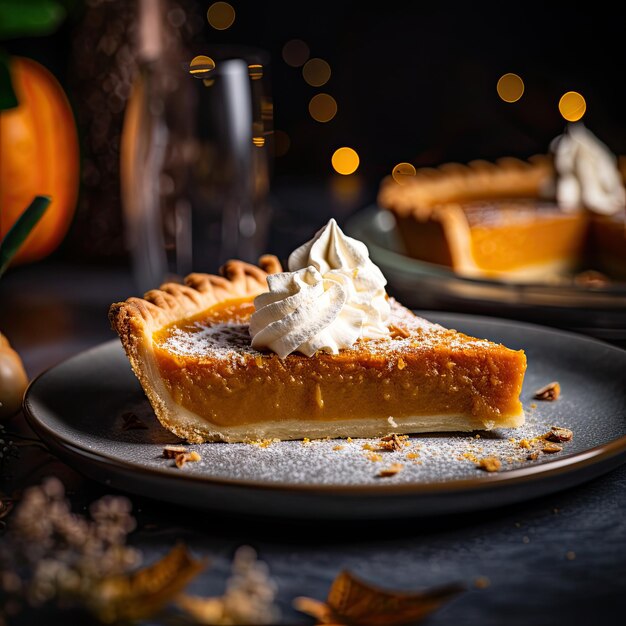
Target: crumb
{"points": [[392, 470], [524, 443], [470, 456], [338, 447], [533, 456], [549, 392], [306, 441], [170, 451], [412, 455], [368, 446], [373, 456], [401, 363], [551, 448], [349, 439], [533, 405], [392, 422], [392, 442], [263, 443], [132, 422], [396, 332], [511, 439], [558, 434], [489, 464], [476, 436], [183, 457], [570, 555], [525, 539], [481, 582]]}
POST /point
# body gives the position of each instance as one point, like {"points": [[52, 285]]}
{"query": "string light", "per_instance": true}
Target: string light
{"points": [[572, 106], [221, 15], [295, 52], [322, 107], [345, 161], [402, 172], [510, 87], [201, 66], [316, 72]]}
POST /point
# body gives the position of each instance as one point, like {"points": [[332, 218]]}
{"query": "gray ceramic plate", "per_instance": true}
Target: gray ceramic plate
{"points": [[77, 406]]}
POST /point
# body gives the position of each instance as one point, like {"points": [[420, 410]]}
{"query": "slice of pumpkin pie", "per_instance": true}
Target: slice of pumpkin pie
{"points": [[317, 351]]}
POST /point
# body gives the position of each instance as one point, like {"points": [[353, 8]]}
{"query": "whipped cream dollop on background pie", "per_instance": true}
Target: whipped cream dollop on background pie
{"points": [[586, 173], [320, 350]]}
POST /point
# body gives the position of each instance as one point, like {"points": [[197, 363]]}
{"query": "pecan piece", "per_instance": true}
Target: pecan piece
{"points": [[182, 458], [391, 442], [170, 451], [549, 392], [558, 434]]}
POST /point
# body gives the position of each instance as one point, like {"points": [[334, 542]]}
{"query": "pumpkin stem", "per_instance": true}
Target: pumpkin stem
{"points": [[16, 235]]}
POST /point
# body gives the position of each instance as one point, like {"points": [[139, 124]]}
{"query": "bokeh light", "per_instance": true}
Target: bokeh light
{"points": [[255, 71], [282, 143], [402, 172], [201, 66], [345, 161], [316, 72], [572, 106], [296, 52], [510, 87], [322, 107], [221, 15], [258, 141]]}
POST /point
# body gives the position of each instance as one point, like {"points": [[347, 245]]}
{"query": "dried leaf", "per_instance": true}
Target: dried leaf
{"points": [[352, 601], [143, 593]]}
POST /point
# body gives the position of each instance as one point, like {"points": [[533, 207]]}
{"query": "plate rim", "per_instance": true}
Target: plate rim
{"points": [[497, 480]]}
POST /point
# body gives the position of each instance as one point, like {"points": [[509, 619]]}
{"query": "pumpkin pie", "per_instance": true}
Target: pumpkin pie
{"points": [[505, 220], [190, 347]]}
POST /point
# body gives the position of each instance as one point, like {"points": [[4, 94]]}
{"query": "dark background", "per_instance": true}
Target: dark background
{"points": [[414, 81]]}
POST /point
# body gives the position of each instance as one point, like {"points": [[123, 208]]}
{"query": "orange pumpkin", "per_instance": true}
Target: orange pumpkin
{"points": [[39, 154]]}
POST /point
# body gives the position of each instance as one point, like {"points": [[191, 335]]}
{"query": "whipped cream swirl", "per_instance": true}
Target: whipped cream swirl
{"points": [[587, 173], [331, 296]]}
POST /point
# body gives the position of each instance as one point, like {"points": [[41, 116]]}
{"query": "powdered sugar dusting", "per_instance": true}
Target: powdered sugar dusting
{"points": [[231, 339], [220, 339], [438, 457]]}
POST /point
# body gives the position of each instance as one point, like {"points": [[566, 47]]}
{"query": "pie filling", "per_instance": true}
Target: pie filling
{"points": [[505, 235], [209, 368]]}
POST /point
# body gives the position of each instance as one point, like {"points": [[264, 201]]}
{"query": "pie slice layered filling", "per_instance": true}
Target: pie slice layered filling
{"points": [[190, 347]]}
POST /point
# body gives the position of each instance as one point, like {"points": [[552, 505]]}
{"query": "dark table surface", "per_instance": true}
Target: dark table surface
{"points": [[555, 560]]}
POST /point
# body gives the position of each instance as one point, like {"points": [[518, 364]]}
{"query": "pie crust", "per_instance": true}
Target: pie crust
{"points": [[423, 378]]}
